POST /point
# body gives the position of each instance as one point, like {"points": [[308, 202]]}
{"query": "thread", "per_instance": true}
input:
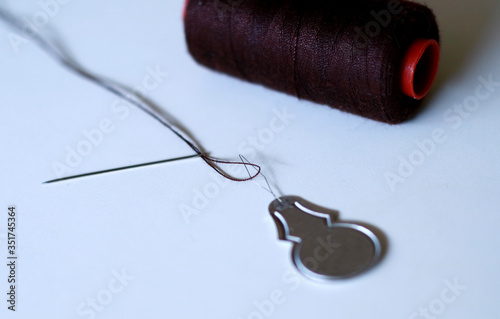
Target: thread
{"points": [[356, 56], [131, 97]]}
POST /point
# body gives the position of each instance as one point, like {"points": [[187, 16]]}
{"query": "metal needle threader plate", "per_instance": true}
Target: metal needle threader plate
{"points": [[323, 248]]}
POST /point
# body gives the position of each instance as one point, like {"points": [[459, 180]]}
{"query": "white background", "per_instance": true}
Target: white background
{"points": [[441, 222]]}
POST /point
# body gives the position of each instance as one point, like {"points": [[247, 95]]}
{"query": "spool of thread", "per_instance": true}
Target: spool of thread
{"points": [[374, 58]]}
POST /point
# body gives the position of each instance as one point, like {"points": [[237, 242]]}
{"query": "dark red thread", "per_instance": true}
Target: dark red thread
{"points": [[346, 54], [128, 95]]}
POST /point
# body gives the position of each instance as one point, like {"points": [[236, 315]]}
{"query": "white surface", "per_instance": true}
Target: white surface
{"points": [[441, 222]]}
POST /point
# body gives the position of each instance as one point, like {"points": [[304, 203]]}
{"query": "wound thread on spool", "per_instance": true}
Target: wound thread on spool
{"points": [[374, 58]]}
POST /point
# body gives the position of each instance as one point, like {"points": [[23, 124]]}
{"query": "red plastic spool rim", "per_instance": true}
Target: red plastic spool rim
{"points": [[419, 69], [184, 10]]}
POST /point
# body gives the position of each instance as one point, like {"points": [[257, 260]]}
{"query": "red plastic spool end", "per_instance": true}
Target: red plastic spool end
{"points": [[420, 66], [185, 8]]}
